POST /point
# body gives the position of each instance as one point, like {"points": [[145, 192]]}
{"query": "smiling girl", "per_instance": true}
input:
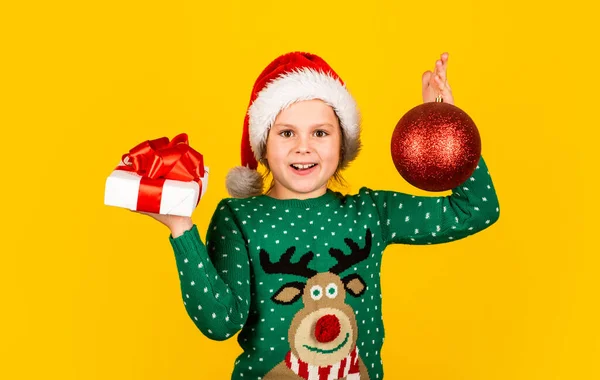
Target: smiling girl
{"points": [[296, 268]]}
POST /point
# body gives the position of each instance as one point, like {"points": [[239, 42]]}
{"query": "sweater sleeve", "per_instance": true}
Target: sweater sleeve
{"points": [[215, 278], [410, 219]]}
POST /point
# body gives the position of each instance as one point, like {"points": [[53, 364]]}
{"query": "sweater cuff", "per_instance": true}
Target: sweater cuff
{"points": [[187, 242]]}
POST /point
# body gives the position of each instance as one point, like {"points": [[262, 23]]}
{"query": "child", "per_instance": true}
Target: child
{"points": [[297, 269]]}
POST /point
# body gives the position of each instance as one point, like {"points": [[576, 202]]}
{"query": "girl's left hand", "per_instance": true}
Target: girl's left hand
{"points": [[436, 83]]}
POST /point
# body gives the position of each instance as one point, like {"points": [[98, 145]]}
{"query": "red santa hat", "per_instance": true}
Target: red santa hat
{"points": [[290, 78]]}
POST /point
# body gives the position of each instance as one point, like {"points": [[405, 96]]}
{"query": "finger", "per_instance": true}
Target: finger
{"points": [[440, 83], [444, 57], [444, 66], [447, 85], [442, 75], [438, 67], [444, 60], [426, 78], [446, 91]]}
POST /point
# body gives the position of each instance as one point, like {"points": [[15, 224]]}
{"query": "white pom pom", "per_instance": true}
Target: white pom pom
{"points": [[243, 182]]}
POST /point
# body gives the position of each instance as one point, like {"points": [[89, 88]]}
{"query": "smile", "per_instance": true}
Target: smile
{"points": [[303, 169], [320, 351], [302, 166]]}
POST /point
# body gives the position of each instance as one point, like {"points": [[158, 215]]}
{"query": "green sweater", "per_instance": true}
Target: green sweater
{"points": [[301, 278]]}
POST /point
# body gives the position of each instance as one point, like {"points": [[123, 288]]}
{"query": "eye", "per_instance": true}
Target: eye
{"points": [[286, 133], [321, 133], [331, 290], [316, 292]]}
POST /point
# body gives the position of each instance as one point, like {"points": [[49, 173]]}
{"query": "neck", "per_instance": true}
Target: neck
{"points": [[280, 192]]}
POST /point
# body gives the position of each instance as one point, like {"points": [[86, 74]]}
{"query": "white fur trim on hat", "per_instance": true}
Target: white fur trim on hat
{"points": [[298, 85]]}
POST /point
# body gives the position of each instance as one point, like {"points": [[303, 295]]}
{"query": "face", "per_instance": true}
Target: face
{"points": [[303, 150]]}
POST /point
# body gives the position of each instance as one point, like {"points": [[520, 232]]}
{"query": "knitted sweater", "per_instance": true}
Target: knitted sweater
{"points": [[301, 278]]}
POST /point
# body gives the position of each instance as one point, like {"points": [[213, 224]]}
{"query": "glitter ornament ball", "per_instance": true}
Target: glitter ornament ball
{"points": [[436, 146]]}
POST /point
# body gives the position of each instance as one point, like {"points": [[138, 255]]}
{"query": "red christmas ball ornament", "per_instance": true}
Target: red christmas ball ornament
{"points": [[436, 146]]}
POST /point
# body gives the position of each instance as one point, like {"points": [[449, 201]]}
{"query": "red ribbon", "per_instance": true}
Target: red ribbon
{"points": [[158, 160]]}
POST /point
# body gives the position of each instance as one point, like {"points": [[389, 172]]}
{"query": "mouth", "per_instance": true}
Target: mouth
{"points": [[303, 168], [321, 351]]}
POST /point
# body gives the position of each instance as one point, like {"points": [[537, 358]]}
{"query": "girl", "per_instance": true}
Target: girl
{"points": [[297, 268]]}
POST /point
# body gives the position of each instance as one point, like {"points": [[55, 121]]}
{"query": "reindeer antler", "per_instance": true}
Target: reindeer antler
{"points": [[357, 254], [285, 266]]}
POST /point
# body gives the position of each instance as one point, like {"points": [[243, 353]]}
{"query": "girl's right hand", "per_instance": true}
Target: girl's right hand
{"points": [[177, 224], [436, 83]]}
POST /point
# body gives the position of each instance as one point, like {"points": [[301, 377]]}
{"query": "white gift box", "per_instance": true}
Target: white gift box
{"points": [[178, 197]]}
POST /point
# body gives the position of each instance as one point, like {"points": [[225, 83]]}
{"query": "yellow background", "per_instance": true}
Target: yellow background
{"points": [[91, 291]]}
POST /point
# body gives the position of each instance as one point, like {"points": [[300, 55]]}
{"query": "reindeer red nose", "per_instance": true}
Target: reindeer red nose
{"points": [[327, 328]]}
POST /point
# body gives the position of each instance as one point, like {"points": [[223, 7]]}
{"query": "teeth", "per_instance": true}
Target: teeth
{"points": [[300, 166]]}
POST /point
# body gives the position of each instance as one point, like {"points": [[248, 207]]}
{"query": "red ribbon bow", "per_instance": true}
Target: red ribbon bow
{"points": [[158, 160]]}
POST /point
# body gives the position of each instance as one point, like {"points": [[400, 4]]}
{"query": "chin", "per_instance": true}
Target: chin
{"points": [[305, 191]]}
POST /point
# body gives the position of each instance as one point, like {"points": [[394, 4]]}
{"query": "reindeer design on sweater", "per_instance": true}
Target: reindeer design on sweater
{"points": [[323, 334]]}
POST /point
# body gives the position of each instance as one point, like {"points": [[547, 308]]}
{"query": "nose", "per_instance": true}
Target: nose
{"points": [[303, 145], [327, 328]]}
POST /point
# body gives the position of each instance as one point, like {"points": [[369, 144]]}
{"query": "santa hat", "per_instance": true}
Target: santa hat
{"points": [[290, 78]]}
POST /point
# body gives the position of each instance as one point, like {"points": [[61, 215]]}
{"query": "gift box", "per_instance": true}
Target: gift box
{"points": [[158, 176]]}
